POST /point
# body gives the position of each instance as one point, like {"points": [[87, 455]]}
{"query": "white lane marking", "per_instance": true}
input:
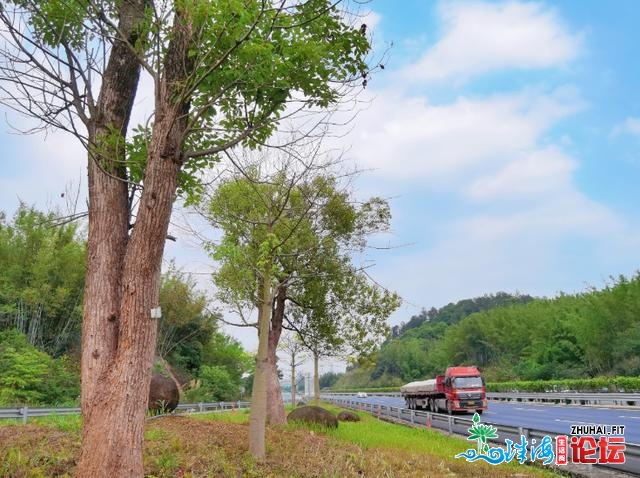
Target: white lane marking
{"points": [[529, 409], [575, 421], [628, 416]]}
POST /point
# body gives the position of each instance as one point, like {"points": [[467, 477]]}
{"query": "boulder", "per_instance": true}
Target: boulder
{"points": [[163, 394], [348, 416], [313, 414]]}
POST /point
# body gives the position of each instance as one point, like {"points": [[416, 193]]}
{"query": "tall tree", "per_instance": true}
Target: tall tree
{"points": [[224, 73], [283, 230]]}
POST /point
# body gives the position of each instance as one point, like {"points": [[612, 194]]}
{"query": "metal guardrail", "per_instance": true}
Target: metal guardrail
{"points": [[569, 398], [573, 398], [460, 425], [24, 413]]}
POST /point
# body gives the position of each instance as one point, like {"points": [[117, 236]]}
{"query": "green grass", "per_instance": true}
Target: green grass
{"points": [[236, 416], [372, 432], [64, 423]]}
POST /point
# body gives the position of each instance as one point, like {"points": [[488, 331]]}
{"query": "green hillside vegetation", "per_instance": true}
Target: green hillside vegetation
{"points": [[41, 290], [590, 334]]}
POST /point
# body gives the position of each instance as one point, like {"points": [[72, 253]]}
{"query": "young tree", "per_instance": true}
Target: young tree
{"points": [[224, 73], [342, 314], [282, 231], [295, 356]]}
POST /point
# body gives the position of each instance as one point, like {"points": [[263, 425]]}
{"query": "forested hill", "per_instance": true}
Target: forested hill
{"points": [[453, 313], [593, 333]]}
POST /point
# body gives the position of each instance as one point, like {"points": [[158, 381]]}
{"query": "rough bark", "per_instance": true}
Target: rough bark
{"points": [[119, 337], [275, 402], [113, 434], [108, 208], [106, 245]]}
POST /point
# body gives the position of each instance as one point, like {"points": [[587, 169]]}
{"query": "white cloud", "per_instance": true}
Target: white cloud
{"points": [[533, 250], [630, 126], [481, 37], [538, 173], [406, 137]]}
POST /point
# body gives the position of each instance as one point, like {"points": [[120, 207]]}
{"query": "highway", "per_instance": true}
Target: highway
{"points": [[553, 418]]}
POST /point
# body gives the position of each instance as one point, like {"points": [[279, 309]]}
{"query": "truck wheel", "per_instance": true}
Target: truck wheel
{"points": [[479, 412]]}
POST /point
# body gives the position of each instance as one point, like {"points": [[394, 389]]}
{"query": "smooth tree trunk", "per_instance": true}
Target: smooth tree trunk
{"points": [[123, 276], [316, 378], [293, 383], [275, 402], [258, 414]]}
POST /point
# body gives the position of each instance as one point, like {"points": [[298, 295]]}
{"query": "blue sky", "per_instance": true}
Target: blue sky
{"points": [[506, 134]]}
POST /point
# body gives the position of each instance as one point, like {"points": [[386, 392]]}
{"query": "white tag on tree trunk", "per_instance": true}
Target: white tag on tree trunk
{"points": [[156, 312]]}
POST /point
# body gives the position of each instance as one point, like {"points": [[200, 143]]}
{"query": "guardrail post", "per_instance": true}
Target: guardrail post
{"points": [[524, 432], [25, 413], [413, 417], [450, 419], [201, 407], [399, 413]]}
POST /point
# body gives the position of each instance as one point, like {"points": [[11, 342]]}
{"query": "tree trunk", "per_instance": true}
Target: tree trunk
{"points": [[293, 383], [258, 415], [106, 245], [275, 402], [108, 207], [113, 430], [316, 378], [123, 273]]}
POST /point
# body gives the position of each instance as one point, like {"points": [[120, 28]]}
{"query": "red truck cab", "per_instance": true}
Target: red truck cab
{"points": [[464, 389]]}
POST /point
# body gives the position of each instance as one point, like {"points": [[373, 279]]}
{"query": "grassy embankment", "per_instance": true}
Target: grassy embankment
{"points": [[215, 445]]}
